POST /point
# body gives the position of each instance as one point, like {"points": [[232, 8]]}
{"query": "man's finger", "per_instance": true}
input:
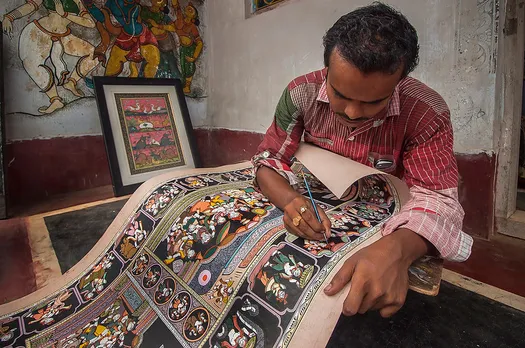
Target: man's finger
{"points": [[341, 278], [371, 301], [327, 224], [306, 220], [307, 230], [356, 295], [291, 228], [310, 218], [389, 311]]}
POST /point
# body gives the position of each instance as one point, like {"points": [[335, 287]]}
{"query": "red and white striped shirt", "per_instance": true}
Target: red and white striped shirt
{"points": [[414, 130]]}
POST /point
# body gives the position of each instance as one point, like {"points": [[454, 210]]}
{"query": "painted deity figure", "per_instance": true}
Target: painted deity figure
{"points": [[113, 328], [50, 37], [238, 333], [95, 281], [46, 315], [140, 264], [196, 325], [6, 332], [155, 17], [191, 44], [286, 267], [222, 291], [134, 42], [275, 291], [179, 306]]}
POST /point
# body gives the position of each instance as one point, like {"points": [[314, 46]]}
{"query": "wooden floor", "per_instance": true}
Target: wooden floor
{"points": [[17, 277], [499, 262]]}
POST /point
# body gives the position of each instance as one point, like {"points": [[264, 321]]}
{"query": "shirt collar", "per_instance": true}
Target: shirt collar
{"points": [[394, 106]]}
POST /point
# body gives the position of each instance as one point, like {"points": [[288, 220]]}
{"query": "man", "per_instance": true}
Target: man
{"points": [[362, 105]]}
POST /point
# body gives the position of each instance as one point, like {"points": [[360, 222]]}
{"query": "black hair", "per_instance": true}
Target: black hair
{"points": [[374, 38], [197, 21]]}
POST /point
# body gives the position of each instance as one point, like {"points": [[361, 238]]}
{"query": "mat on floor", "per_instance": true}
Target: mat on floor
{"points": [[67, 231], [200, 258]]}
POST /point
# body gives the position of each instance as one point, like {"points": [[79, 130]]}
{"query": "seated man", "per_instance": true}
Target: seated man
{"points": [[363, 105]]}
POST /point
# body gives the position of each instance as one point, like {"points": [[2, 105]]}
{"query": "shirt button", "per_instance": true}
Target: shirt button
{"points": [[266, 154], [352, 138]]}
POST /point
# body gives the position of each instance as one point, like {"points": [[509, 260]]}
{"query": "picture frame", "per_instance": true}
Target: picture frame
{"points": [[4, 214], [146, 127]]}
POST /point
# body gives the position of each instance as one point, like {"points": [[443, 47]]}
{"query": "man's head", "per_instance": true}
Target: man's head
{"points": [[367, 52]]}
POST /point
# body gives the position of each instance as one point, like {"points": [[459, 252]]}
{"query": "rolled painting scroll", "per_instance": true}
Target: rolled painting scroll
{"points": [[200, 258]]}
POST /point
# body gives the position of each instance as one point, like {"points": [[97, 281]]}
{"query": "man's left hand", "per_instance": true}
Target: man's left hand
{"points": [[378, 274]]}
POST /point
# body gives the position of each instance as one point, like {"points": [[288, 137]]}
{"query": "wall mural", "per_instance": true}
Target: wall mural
{"points": [[64, 43]]}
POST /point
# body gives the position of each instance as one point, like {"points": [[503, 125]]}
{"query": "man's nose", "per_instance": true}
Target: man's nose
{"points": [[353, 110]]}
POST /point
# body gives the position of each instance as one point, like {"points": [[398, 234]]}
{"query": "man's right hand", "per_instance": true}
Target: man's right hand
{"points": [[300, 219], [281, 194]]}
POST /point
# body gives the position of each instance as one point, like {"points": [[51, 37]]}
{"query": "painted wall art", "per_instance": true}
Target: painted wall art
{"points": [[146, 128], [258, 5], [151, 137], [62, 44]]}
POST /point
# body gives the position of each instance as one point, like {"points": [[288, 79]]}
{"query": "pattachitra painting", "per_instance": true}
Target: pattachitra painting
{"points": [[262, 4], [146, 127], [151, 136], [199, 258]]}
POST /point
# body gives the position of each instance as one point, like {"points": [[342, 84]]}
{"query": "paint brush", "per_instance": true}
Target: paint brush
{"points": [[313, 203]]}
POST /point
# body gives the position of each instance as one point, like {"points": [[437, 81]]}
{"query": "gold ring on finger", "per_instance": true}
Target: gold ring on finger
{"points": [[297, 220], [303, 209]]}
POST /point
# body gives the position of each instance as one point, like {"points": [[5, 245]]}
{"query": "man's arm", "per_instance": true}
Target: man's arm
{"points": [[434, 211], [433, 216], [274, 176]]}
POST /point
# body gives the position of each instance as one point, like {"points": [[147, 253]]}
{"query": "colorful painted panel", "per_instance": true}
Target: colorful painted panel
{"points": [[203, 260], [62, 44], [262, 4], [151, 138]]}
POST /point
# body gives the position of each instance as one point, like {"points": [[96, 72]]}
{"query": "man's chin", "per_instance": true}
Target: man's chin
{"points": [[353, 123], [356, 124]]}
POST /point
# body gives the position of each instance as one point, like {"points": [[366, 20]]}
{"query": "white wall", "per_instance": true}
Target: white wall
{"points": [[251, 60]]}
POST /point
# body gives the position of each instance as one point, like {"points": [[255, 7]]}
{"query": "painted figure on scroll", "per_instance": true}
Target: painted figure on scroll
{"points": [[186, 27], [364, 106], [50, 37], [134, 42]]}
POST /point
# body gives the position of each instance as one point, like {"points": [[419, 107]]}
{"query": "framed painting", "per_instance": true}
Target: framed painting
{"points": [[147, 129], [3, 201]]}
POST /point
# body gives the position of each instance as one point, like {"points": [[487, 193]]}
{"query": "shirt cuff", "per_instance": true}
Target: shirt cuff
{"points": [[441, 228], [264, 159]]}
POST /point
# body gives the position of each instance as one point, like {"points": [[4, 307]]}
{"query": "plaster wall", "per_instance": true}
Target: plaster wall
{"points": [[252, 59]]}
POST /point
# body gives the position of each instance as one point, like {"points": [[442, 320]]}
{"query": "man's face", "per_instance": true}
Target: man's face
{"points": [[357, 97]]}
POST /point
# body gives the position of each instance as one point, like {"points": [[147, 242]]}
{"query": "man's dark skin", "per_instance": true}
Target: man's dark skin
{"points": [[378, 274]]}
